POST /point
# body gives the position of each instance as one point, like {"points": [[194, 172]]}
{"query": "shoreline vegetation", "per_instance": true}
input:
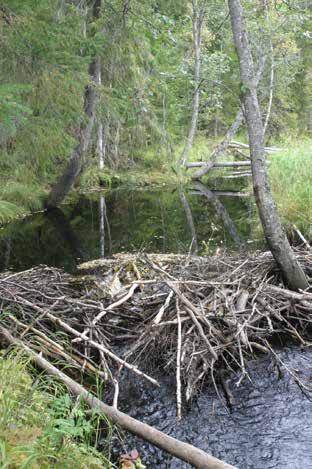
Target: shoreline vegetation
{"points": [[40, 424], [290, 181]]}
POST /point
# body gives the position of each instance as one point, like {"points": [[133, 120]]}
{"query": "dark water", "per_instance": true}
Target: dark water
{"points": [[269, 425], [98, 225]]}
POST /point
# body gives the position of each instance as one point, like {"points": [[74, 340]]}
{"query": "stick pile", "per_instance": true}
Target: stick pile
{"points": [[194, 316]]}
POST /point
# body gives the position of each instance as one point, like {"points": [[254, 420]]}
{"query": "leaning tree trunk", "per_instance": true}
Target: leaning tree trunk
{"points": [[198, 17], [74, 166], [275, 236]]}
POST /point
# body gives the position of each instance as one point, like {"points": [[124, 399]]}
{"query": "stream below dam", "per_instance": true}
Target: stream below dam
{"points": [[268, 425]]}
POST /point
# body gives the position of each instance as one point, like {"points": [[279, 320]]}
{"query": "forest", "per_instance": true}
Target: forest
{"points": [[155, 232]]}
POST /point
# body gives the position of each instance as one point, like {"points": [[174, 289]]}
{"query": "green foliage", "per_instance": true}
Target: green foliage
{"points": [[9, 211], [13, 113], [39, 429], [147, 84], [291, 182], [29, 196]]}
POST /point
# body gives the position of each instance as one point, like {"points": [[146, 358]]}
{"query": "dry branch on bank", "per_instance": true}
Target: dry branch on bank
{"points": [[194, 316]]}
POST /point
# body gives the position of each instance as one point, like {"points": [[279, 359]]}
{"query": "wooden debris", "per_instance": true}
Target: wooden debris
{"points": [[193, 315]]}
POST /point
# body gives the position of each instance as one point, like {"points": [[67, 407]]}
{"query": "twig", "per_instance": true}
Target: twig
{"points": [[178, 373]]}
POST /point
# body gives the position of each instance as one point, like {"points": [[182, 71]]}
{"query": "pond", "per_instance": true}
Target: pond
{"points": [[160, 220]]}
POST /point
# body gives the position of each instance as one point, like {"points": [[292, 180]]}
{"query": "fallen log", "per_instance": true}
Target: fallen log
{"points": [[236, 175], [224, 193], [232, 130], [235, 144], [184, 451], [221, 164]]}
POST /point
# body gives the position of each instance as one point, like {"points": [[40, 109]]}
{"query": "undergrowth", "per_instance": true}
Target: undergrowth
{"points": [[291, 181], [41, 426], [9, 211], [17, 199]]}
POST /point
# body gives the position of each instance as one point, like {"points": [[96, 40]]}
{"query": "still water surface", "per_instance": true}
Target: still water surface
{"points": [[100, 224], [268, 426]]}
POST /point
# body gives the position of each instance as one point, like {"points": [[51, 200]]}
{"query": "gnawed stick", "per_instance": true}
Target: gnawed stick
{"points": [[190, 310], [106, 310], [160, 313], [58, 349], [91, 342], [178, 373], [104, 349], [305, 242], [184, 451]]}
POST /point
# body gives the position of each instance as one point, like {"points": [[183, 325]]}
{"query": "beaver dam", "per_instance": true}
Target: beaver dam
{"points": [[198, 318]]}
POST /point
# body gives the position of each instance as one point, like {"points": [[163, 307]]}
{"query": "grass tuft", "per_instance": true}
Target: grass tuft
{"points": [[9, 212]]}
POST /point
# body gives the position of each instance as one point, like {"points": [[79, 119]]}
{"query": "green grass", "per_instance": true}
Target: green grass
{"points": [[18, 199], [40, 425], [291, 182], [9, 211]]}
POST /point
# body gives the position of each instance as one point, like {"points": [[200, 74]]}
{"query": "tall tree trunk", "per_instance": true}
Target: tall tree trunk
{"points": [[74, 166], [101, 134], [198, 18], [275, 236]]}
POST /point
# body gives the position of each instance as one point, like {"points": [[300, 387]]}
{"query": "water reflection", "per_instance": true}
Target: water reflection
{"points": [[221, 211], [98, 225]]}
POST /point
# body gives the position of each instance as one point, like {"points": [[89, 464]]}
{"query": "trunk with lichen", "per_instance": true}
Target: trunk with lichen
{"points": [[274, 233]]}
